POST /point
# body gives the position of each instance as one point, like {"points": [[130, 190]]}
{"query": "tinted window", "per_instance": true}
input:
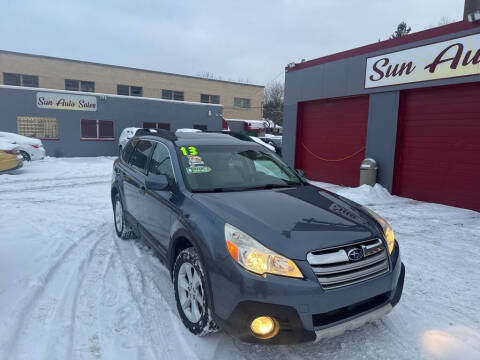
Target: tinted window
{"points": [[71, 85], [105, 129], [123, 90], [140, 155], [11, 79], [127, 151], [30, 80], [160, 163], [88, 86]]}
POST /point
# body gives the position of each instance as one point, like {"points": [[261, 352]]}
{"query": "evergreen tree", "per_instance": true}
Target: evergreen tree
{"points": [[402, 30]]}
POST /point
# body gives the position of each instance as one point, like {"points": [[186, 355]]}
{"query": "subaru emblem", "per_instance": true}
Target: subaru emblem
{"points": [[355, 254]]}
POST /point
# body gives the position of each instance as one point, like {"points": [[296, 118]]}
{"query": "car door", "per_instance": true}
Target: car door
{"points": [[134, 179], [158, 204]]}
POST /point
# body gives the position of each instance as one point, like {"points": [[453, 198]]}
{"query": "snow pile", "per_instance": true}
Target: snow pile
{"points": [[19, 139], [367, 194]]}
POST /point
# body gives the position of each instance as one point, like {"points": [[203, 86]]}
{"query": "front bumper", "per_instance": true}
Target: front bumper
{"points": [[304, 310]]}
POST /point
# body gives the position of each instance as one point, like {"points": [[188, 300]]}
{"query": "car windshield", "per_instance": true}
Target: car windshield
{"points": [[228, 168]]}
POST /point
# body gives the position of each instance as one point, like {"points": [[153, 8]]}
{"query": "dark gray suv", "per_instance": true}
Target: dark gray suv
{"points": [[252, 247]]}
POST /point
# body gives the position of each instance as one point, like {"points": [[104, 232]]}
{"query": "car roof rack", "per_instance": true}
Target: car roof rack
{"points": [[235, 134], [166, 134]]}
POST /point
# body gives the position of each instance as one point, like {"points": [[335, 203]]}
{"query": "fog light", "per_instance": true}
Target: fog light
{"points": [[264, 327]]}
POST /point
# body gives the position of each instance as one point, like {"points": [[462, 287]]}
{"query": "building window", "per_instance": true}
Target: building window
{"points": [[136, 91], [87, 86], [156, 125], [20, 80], [38, 127], [201, 127], [209, 99], [71, 85], [241, 103], [97, 129], [123, 90], [173, 95], [129, 90], [79, 85]]}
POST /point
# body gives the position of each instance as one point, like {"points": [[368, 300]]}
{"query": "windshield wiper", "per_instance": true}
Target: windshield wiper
{"points": [[273, 186]]}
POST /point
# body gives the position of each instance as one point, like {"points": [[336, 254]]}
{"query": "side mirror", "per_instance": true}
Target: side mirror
{"points": [[300, 173], [157, 182]]}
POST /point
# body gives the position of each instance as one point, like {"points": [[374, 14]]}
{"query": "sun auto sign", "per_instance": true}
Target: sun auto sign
{"points": [[447, 59], [61, 101]]}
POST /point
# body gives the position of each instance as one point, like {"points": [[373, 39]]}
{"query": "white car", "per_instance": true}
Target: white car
{"points": [[29, 148], [126, 135], [261, 142]]}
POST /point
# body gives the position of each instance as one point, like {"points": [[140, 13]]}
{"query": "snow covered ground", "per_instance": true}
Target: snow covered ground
{"points": [[69, 289]]}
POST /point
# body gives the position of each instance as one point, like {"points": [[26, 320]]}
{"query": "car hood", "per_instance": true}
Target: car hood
{"points": [[293, 221]]}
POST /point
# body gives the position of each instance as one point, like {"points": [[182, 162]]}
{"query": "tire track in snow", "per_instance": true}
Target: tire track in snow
{"points": [[35, 297], [146, 320]]}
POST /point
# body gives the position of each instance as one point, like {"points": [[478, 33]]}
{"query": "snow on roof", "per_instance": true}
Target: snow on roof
{"points": [[18, 139], [5, 146]]}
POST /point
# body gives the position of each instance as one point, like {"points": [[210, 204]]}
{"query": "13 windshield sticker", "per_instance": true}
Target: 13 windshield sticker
{"points": [[195, 161]]}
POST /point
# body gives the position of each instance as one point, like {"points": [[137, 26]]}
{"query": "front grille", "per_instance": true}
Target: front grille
{"points": [[335, 269]]}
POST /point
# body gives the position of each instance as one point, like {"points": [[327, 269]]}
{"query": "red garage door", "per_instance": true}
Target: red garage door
{"points": [[331, 136], [438, 145]]}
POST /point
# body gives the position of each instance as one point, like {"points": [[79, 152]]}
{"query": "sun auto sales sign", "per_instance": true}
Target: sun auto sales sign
{"points": [[447, 59], [61, 101]]}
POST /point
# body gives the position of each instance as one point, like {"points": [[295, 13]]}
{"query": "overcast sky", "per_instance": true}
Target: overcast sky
{"points": [[246, 39]]}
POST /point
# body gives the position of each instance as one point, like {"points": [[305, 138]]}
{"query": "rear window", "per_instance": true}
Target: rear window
{"points": [[140, 155], [127, 151]]}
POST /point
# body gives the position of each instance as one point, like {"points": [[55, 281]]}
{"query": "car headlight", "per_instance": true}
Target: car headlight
{"points": [[387, 229], [255, 257]]}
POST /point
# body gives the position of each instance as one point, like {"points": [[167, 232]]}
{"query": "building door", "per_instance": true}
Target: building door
{"points": [[438, 148], [331, 138]]}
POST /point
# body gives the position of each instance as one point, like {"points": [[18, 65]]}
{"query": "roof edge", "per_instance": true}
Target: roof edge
{"points": [[126, 68], [387, 44]]}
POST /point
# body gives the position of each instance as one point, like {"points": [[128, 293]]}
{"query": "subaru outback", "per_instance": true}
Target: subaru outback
{"points": [[251, 246]]}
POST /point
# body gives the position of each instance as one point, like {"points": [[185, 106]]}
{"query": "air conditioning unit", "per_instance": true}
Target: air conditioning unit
{"points": [[475, 16]]}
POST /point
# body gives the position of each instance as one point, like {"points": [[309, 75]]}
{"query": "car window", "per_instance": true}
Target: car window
{"points": [[160, 164], [267, 166], [140, 155], [227, 168], [127, 151]]}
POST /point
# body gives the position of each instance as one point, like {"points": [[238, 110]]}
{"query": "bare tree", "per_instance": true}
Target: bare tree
{"points": [[444, 20], [273, 102], [208, 75]]}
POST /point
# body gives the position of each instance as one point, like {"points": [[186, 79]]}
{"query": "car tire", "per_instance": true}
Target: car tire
{"points": [[123, 230], [191, 295], [120, 150], [25, 155]]}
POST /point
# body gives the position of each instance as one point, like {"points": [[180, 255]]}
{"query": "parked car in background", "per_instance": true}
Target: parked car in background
{"points": [[126, 135], [29, 148], [275, 141], [263, 143], [10, 158]]}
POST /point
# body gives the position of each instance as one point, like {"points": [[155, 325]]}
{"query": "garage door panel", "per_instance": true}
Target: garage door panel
{"points": [[332, 130], [438, 148]]}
